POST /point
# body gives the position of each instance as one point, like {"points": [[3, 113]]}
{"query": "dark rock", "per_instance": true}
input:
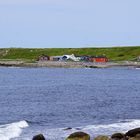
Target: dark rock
{"points": [[78, 128], [39, 137], [78, 136], [68, 128], [102, 137], [133, 132], [117, 136]]}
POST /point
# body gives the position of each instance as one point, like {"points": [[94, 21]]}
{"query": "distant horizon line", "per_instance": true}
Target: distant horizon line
{"points": [[69, 47]]}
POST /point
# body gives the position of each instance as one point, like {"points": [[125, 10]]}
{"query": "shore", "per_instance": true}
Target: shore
{"points": [[62, 64], [133, 134]]}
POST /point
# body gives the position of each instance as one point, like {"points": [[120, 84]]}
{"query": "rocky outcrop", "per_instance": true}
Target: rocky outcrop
{"points": [[133, 132], [118, 136], [102, 137], [68, 128], [39, 137], [78, 136]]}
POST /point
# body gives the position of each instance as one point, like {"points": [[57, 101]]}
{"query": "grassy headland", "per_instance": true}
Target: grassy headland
{"points": [[31, 54]]}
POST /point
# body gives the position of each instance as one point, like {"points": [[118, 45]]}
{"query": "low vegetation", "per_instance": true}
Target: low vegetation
{"points": [[31, 54]]}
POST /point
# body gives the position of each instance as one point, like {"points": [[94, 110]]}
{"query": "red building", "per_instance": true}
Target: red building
{"points": [[99, 59]]}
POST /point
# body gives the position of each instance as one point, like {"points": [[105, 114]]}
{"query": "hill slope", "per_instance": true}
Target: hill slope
{"points": [[31, 54]]}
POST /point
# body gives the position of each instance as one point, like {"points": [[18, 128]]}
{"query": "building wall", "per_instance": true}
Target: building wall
{"points": [[98, 59], [101, 59], [44, 58]]}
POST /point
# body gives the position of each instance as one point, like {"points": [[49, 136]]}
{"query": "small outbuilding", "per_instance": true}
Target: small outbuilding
{"points": [[84, 58], [43, 58], [55, 58]]}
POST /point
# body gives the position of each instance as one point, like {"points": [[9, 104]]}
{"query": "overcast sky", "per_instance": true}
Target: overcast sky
{"points": [[69, 23]]}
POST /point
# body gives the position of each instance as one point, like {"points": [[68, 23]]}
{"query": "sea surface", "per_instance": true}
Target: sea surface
{"points": [[48, 100]]}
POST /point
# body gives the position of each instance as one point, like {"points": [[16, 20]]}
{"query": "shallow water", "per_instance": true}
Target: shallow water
{"points": [[46, 100]]}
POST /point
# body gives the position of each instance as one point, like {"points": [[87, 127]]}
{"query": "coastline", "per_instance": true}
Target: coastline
{"points": [[64, 64]]}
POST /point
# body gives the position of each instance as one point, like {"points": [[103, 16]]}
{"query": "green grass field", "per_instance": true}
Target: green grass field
{"points": [[31, 54]]}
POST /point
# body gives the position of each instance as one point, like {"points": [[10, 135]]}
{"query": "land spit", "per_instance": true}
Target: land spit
{"points": [[67, 64]]}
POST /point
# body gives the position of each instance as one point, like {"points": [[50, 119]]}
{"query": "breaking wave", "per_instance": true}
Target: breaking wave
{"points": [[13, 130]]}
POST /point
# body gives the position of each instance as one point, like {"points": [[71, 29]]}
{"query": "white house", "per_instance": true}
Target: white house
{"points": [[70, 57]]}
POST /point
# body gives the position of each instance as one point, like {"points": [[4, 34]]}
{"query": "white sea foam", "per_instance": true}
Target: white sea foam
{"points": [[12, 130], [138, 68], [108, 129], [93, 130]]}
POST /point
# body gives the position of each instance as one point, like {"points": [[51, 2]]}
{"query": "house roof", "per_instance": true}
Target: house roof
{"points": [[98, 57]]}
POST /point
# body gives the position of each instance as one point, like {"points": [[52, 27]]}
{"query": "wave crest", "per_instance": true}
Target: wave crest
{"points": [[13, 130]]}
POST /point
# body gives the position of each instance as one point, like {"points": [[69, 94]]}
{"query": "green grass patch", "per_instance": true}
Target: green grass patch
{"points": [[31, 54]]}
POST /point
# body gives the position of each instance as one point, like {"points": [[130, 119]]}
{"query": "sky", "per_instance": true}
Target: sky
{"points": [[69, 23]]}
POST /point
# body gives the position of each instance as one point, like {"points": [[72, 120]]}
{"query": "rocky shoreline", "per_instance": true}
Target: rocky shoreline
{"points": [[63, 64], [133, 134]]}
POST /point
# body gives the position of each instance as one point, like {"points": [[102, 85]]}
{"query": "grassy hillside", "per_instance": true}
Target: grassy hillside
{"points": [[114, 54]]}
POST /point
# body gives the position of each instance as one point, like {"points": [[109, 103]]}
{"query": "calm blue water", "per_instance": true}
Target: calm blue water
{"points": [[46, 100]]}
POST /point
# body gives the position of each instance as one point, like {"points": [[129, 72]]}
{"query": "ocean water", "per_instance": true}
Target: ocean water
{"points": [[48, 100]]}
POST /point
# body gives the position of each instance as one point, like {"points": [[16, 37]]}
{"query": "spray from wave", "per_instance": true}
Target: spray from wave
{"points": [[13, 130]]}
